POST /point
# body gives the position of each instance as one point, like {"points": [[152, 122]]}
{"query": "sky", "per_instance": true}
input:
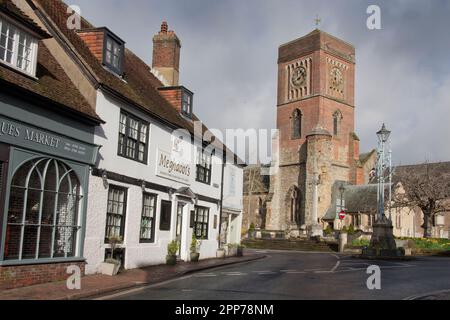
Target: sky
{"points": [[230, 49]]}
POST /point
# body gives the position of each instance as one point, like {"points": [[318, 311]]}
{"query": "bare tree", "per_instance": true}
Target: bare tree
{"points": [[424, 186]]}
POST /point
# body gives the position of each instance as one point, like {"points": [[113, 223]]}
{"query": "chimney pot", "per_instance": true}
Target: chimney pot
{"points": [[164, 27]]}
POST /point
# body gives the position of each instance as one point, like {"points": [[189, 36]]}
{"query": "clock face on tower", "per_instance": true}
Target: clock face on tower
{"points": [[298, 78]]}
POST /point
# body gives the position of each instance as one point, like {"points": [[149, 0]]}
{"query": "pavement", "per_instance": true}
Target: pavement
{"points": [[284, 275], [94, 285]]}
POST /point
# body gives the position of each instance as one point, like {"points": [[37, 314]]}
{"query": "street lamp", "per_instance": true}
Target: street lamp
{"points": [[383, 162], [383, 134], [383, 242]]}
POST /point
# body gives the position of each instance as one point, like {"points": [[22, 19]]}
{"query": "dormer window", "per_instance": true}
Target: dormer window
{"points": [[113, 56], [186, 104], [17, 48]]}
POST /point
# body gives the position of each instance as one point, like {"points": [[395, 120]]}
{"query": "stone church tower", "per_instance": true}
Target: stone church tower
{"points": [[316, 122]]}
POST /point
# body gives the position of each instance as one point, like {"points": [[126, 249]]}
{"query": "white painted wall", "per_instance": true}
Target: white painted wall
{"points": [[233, 186], [233, 201], [144, 254]]}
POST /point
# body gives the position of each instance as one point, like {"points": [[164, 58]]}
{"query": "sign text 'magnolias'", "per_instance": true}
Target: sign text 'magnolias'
{"points": [[172, 168]]}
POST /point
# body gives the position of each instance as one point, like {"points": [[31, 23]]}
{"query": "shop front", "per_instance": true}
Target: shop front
{"points": [[44, 179]]}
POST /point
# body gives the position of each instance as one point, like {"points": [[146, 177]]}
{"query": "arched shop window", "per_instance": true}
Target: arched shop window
{"points": [[43, 220]]}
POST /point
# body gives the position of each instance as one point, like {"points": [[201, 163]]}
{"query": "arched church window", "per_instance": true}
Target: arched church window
{"points": [[43, 216], [295, 206], [297, 124], [337, 118]]}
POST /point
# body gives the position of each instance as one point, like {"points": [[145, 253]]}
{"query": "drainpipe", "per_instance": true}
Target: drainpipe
{"points": [[221, 200]]}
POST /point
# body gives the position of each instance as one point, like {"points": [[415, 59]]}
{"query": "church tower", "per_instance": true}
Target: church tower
{"points": [[315, 118]]}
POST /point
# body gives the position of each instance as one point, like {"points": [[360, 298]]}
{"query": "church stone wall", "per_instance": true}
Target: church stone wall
{"points": [[319, 158]]}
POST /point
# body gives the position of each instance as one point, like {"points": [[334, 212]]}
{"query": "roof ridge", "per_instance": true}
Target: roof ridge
{"points": [[139, 85]]}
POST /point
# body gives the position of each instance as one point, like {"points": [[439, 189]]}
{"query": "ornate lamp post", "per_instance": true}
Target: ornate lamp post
{"points": [[383, 241], [383, 163]]}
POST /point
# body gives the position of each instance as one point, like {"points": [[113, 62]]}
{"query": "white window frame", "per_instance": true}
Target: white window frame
{"points": [[34, 47]]}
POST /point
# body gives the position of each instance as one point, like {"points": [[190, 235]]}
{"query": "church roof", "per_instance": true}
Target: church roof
{"points": [[439, 169], [363, 157], [361, 198]]}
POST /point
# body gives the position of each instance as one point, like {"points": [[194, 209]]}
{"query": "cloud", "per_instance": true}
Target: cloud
{"points": [[229, 59]]}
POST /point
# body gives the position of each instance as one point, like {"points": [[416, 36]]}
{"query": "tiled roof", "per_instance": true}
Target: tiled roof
{"points": [[139, 86], [364, 198], [439, 170], [361, 198], [51, 84], [10, 9], [366, 156]]}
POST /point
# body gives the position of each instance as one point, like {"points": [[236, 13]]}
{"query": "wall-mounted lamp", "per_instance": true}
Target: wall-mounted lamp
{"points": [[143, 185]]}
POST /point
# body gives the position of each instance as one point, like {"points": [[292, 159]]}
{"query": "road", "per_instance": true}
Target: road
{"points": [[302, 276]]}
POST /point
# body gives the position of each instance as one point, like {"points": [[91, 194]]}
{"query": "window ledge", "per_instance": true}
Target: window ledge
{"points": [[152, 242], [10, 263], [202, 182], [18, 70], [114, 73]]}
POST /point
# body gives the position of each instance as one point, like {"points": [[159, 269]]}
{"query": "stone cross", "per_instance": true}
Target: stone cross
{"points": [[317, 20]]}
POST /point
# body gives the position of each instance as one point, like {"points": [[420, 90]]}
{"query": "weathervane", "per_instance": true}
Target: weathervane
{"points": [[317, 20]]}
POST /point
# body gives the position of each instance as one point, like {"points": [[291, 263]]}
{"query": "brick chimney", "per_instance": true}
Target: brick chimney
{"points": [[166, 55]]}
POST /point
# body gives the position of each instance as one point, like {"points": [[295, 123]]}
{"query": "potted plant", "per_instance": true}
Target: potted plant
{"points": [[232, 249], [172, 250], [195, 248], [252, 231], [240, 250], [111, 265]]}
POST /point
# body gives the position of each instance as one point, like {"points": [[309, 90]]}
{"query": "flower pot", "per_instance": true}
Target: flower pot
{"points": [[171, 260], [220, 253], [195, 256], [109, 269]]}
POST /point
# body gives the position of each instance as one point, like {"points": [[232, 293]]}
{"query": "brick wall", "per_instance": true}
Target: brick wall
{"points": [[28, 275], [173, 96], [166, 55], [166, 49], [95, 41]]}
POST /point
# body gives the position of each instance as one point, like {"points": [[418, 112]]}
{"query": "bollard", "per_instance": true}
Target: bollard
{"points": [[342, 241]]}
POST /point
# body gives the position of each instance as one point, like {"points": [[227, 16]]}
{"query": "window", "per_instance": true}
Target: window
{"points": [[294, 203], [114, 53], [337, 118], [115, 216], [186, 105], [133, 138], [297, 124], [203, 167], [399, 221], [201, 222], [166, 214], [17, 48], [43, 216], [370, 220], [148, 218]]}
